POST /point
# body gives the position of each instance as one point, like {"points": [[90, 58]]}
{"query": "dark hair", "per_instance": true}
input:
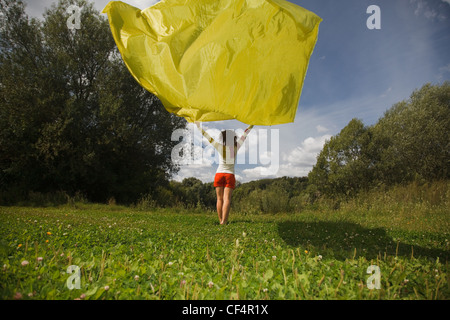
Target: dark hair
{"points": [[225, 136]]}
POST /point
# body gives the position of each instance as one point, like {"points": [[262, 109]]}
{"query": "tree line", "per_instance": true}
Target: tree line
{"points": [[409, 143]]}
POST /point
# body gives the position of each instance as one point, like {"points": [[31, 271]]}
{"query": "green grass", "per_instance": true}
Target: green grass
{"points": [[177, 254]]}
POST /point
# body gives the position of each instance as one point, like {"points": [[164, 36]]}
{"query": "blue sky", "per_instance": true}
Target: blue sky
{"points": [[354, 72]]}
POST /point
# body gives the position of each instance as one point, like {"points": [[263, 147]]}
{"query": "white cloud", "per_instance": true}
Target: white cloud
{"points": [[445, 68], [287, 170], [252, 173], [305, 155], [385, 94], [424, 9], [443, 71], [296, 163], [141, 4], [300, 161], [36, 8], [321, 128], [203, 172]]}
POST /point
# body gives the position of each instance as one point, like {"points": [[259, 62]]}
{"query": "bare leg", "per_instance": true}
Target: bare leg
{"points": [[219, 193], [226, 204]]}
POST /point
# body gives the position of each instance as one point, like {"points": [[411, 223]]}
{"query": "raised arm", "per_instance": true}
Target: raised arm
{"points": [[206, 135], [244, 136]]}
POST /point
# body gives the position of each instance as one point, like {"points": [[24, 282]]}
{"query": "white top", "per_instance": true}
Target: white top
{"points": [[227, 153]]}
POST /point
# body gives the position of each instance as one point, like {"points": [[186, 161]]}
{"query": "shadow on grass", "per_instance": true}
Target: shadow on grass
{"points": [[340, 239]]}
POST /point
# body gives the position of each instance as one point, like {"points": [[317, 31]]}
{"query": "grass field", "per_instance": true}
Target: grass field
{"points": [[123, 253]]}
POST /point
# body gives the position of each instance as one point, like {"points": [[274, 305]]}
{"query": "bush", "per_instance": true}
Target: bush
{"points": [[40, 199], [146, 203]]}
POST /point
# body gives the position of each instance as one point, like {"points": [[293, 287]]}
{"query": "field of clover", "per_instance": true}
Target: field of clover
{"points": [[112, 252]]}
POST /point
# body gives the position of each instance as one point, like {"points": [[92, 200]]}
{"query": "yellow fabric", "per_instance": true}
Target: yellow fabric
{"points": [[210, 60]]}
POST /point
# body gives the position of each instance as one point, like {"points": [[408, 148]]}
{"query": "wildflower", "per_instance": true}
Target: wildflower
{"points": [[319, 257], [17, 296], [306, 251], [106, 288], [39, 259], [49, 233], [136, 277], [170, 263], [265, 290], [82, 296], [182, 282], [19, 245], [24, 262], [274, 258], [210, 284]]}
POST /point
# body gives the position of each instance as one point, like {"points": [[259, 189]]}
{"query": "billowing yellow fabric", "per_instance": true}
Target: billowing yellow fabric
{"points": [[210, 60]]}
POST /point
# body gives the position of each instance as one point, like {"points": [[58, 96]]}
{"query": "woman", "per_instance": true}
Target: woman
{"points": [[224, 180]]}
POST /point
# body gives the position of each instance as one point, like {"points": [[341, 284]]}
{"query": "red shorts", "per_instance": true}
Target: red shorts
{"points": [[225, 180]]}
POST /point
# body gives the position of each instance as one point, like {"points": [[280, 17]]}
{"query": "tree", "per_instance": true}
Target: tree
{"points": [[416, 137], [72, 117], [23, 83], [345, 166]]}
